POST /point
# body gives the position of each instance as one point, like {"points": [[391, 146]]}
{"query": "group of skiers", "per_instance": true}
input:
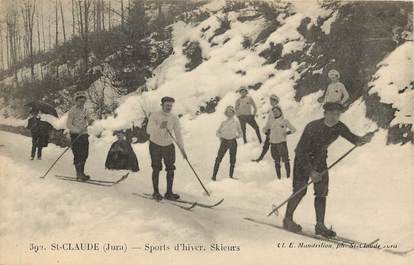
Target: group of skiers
{"points": [[164, 129]]}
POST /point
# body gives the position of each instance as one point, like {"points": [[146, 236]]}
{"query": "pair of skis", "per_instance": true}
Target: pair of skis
{"points": [[183, 204], [105, 183]]}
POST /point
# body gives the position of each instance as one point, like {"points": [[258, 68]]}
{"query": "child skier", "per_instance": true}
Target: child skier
{"points": [[244, 106], [336, 91], [228, 132], [279, 127], [274, 101], [121, 155]]}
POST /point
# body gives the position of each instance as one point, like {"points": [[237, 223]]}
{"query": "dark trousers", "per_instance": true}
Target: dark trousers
{"points": [[280, 152], [300, 179], [158, 155], [80, 148], [266, 146], [249, 119], [226, 145], [35, 145]]}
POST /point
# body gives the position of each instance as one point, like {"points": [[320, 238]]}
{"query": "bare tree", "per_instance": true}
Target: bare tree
{"points": [[109, 16], [11, 23], [84, 17], [73, 19], [63, 21], [56, 25], [29, 9], [1, 49]]}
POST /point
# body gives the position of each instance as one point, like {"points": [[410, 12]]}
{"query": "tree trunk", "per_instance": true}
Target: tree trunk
{"points": [[73, 19], [109, 16], [63, 22], [56, 25]]}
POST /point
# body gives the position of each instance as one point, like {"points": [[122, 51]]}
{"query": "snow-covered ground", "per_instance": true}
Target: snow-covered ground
{"points": [[370, 197], [371, 191]]}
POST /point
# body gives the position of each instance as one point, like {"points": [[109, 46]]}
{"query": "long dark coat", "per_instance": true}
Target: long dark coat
{"points": [[121, 156], [40, 131]]}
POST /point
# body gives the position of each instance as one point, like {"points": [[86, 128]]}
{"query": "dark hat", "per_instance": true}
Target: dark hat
{"points": [[333, 106], [167, 99], [116, 132]]}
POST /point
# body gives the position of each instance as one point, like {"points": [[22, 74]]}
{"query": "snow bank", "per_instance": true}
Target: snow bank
{"points": [[394, 82]]}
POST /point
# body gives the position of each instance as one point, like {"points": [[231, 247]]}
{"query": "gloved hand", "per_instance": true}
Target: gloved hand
{"points": [[316, 176], [366, 139]]}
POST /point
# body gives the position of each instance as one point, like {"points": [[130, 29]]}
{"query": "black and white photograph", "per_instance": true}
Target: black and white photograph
{"points": [[217, 132]]}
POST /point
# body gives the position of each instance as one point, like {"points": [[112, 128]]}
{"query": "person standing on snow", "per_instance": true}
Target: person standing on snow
{"points": [[244, 106], [77, 123], [310, 161], [40, 133], [336, 91], [279, 127], [274, 102], [228, 132], [161, 147]]}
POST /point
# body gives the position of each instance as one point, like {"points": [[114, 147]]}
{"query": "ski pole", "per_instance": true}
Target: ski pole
{"points": [[54, 163], [275, 210], [186, 159]]}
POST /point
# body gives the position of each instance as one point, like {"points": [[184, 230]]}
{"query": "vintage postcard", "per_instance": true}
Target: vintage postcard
{"points": [[213, 132]]}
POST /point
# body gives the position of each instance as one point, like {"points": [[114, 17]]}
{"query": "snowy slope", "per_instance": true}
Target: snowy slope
{"points": [[370, 191]]}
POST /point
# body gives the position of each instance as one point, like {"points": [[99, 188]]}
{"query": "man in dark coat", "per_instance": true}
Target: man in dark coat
{"points": [[310, 162], [40, 134], [121, 155]]}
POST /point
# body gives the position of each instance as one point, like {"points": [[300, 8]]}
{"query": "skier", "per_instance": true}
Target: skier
{"points": [[121, 155], [77, 123], [228, 132], [274, 101], [279, 127], [40, 133], [336, 91], [161, 146], [310, 161], [244, 106]]}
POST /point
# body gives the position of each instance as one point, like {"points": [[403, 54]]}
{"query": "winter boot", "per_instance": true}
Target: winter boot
{"points": [[321, 229], [155, 180], [287, 167], [231, 171], [169, 195], [82, 170], [215, 170], [291, 226], [157, 196], [79, 174]]}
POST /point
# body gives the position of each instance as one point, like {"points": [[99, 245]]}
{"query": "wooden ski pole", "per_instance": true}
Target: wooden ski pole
{"points": [[186, 159], [54, 163], [311, 181]]}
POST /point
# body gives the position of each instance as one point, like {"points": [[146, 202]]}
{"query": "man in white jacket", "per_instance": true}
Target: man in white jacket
{"points": [[77, 123], [161, 147]]}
